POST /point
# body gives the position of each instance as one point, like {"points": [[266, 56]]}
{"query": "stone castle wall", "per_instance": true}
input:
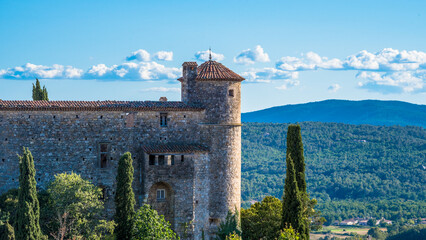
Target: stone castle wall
{"points": [[65, 141]]}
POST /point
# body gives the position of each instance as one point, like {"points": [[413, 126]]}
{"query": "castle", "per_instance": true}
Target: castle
{"points": [[187, 154]]}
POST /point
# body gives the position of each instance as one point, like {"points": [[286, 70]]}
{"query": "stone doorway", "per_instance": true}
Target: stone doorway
{"points": [[161, 198]]}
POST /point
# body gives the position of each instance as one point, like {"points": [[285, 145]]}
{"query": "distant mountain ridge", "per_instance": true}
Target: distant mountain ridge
{"points": [[373, 112]]}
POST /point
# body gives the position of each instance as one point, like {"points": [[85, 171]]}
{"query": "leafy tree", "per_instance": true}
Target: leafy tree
{"points": [[233, 236], [288, 234], [9, 205], [78, 208], [28, 212], [376, 233], [230, 226], [409, 233], [262, 220], [292, 214], [6, 231], [125, 198], [151, 226], [38, 92], [371, 222]]}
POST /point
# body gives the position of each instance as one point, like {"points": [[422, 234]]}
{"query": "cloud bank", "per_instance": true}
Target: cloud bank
{"points": [[138, 67], [386, 71], [250, 56], [204, 56]]}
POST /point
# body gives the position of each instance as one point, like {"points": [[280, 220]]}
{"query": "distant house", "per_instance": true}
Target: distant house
{"points": [[389, 222], [363, 222], [348, 222]]}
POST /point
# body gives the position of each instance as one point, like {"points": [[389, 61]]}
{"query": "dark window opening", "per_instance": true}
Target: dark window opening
{"points": [[84, 159], [38, 179], [104, 147], [173, 160], [151, 159], [192, 68], [161, 160], [104, 154], [231, 93], [161, 194], [54, 116], [103, 160], [29, 116], [163, 119], [3, 160], [101, 117], [76, 116], [59, 139], [90, 149], [182, 158], [5, 139]]}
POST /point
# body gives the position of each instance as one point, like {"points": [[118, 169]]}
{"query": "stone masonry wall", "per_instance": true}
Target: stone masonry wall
{"points": [[65, 141]]}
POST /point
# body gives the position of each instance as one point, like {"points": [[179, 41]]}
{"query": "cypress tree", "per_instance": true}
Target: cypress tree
{"points": [[7, 232], [292, 202], [295, 148], [38, 92], [28, 212], [124, 198]]}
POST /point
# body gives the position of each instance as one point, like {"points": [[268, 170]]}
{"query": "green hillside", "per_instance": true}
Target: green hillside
{"points": [[372, 112], [363, 169]]}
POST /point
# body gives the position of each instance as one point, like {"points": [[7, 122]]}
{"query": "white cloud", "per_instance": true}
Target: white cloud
{"points": [[139, 55], [31, 71], [161, 89], [164, 56], [392, 82], [334, 87], [204, 56], [309, 61], [250, 56], [387, 59], [133, 71], [268, 74], [288, 84]]}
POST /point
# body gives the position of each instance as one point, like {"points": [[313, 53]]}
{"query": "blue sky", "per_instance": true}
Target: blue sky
{"points": [[289, 51]]}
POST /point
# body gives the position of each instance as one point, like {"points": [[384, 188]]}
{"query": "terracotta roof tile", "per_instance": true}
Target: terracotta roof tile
{"points": [[96, 106], [189, 64], [174, 148], [214, 71]]}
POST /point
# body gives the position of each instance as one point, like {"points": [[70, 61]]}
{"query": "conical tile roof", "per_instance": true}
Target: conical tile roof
{"points": [[214, 71]]}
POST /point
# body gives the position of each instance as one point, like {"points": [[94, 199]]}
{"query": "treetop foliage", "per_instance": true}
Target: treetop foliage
{"points": [[39, 93]]}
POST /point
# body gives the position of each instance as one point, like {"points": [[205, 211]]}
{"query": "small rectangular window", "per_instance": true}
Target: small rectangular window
{"points": [[151, 159], [161, 194], [161, 160], [163, 119], [173, 160], [231, 92], [104, 154]]}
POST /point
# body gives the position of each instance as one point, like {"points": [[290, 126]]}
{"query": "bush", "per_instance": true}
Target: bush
{"points": [[151, 226]]}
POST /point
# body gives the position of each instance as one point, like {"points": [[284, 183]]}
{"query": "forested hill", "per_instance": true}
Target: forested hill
{"points": [[366, 170], [372, 112]]}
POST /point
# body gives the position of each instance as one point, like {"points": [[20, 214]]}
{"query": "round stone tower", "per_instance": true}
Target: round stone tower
{"points": [[218, 90]]}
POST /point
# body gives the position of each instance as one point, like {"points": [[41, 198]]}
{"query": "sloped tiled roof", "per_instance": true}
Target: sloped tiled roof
{"points": [[173, 148], [189, 64], [96, 106], [214, 71]]}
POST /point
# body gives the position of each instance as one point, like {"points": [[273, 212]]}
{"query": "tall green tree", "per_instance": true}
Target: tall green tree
{"points": [[38, 92], [295, 149], [125, 198], [292, 202], [28, 213]]}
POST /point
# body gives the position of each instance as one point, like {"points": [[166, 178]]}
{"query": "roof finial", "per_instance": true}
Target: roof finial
{"points": [[210, 53]]}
